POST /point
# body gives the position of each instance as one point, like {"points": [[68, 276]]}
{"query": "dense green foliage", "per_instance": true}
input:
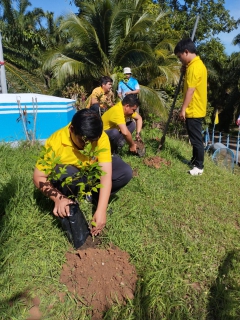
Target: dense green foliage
{"points": [[48, 54]]}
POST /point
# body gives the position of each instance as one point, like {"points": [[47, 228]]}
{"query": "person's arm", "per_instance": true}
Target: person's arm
{"points": [[95, 99], [133, 92], [136, 88], [139, 122], [128, 137], [120, 91], [187, 100], [100, 215], [61, 208], [120, 95], [112, 98], [96, 96]]}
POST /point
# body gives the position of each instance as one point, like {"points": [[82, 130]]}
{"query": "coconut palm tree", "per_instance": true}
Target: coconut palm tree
{"points": [[234, 84], [223, 81], [108, 34], [26, 35]]}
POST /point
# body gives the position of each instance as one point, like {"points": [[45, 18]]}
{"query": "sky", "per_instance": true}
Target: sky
{"points": [[226, 38], [61, 7]]}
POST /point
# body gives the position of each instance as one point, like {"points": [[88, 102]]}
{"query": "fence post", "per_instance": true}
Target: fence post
{"points": [[238, 138], [206, 137], [213, 137], [227, 140]]}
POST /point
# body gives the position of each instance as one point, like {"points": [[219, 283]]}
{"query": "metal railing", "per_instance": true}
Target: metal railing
{"points": [[218, 137]]}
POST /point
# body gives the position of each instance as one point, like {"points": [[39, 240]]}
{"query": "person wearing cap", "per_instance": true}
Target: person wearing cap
{"points": [[128, 86], [102, 97], [86, 126], [117, 126]]}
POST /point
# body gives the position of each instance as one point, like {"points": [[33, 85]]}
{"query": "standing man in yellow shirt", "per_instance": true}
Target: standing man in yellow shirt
{"points": [[194, 105]]}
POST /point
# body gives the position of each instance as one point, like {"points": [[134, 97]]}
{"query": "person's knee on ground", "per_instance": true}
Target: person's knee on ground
{"points": [[114, 137]]}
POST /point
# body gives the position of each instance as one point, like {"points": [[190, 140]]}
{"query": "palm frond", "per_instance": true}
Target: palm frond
{"points": [[152, 102], [20, 80]]}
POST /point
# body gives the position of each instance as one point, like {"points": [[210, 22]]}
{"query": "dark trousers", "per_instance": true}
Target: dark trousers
{"points": [[194, 128], [116, 138], [121, 175]]}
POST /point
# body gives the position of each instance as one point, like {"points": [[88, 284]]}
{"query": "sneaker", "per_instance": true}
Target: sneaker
{"points": [[196, 171]]}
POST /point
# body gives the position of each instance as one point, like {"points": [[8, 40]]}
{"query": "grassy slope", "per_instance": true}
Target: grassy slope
{"points": [[182, 234]]}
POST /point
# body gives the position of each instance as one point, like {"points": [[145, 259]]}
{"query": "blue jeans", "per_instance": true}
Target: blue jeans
{"points": [[194, 129]]}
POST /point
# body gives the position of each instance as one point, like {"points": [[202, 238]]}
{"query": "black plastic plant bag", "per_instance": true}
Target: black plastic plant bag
{"points": [[76, 226]]}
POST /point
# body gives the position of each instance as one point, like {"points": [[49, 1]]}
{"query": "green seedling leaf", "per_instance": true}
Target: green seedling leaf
{"points": [[89, 168], [93, 223]]}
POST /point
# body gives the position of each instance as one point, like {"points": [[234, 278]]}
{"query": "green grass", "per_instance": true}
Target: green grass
{"points": [[182, 234]]}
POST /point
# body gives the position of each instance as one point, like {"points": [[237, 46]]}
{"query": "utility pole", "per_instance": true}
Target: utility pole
{"points": [[3, 82]]}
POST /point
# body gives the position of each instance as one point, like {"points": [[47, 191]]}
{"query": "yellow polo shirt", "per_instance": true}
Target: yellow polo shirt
{"points": [[196, 77], [115, 116], [62, 145], [98, 93]]}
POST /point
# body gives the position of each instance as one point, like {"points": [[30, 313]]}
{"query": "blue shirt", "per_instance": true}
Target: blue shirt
{"points": [[131, 83]]}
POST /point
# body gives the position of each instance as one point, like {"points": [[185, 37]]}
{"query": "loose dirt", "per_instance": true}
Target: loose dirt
{"points": [[156, 162], [99, 276], [141, 150]]}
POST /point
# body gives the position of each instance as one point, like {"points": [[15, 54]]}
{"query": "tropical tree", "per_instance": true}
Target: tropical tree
{"points": [[109, 34], [215, 18], [26, 35], [223, 81], [216, 61], [236, 40], [233, 76]]}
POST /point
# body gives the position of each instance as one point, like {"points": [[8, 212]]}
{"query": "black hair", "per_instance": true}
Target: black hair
{"points": [[87, 123], [131, 99], [105, 80], [185, 44]]}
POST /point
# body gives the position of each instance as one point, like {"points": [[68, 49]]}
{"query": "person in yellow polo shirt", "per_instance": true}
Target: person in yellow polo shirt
{"points": [[194, 105], [102, 98], [86, 125], [117, 128]]}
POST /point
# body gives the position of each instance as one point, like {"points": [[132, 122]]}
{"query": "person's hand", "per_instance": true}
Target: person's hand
{"points": [[129, 92], [138, 138], [133, 148], [61, 208], [182, 115], [100, 220]]}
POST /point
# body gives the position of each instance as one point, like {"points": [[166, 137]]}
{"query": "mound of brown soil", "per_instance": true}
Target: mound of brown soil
{"points": [[141, 150], [156, 162], [99, 276]]}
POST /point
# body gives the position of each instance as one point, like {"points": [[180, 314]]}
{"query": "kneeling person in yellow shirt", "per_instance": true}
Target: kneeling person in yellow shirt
{"points": [[102, 98], [86, 125], [118, 129]]}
